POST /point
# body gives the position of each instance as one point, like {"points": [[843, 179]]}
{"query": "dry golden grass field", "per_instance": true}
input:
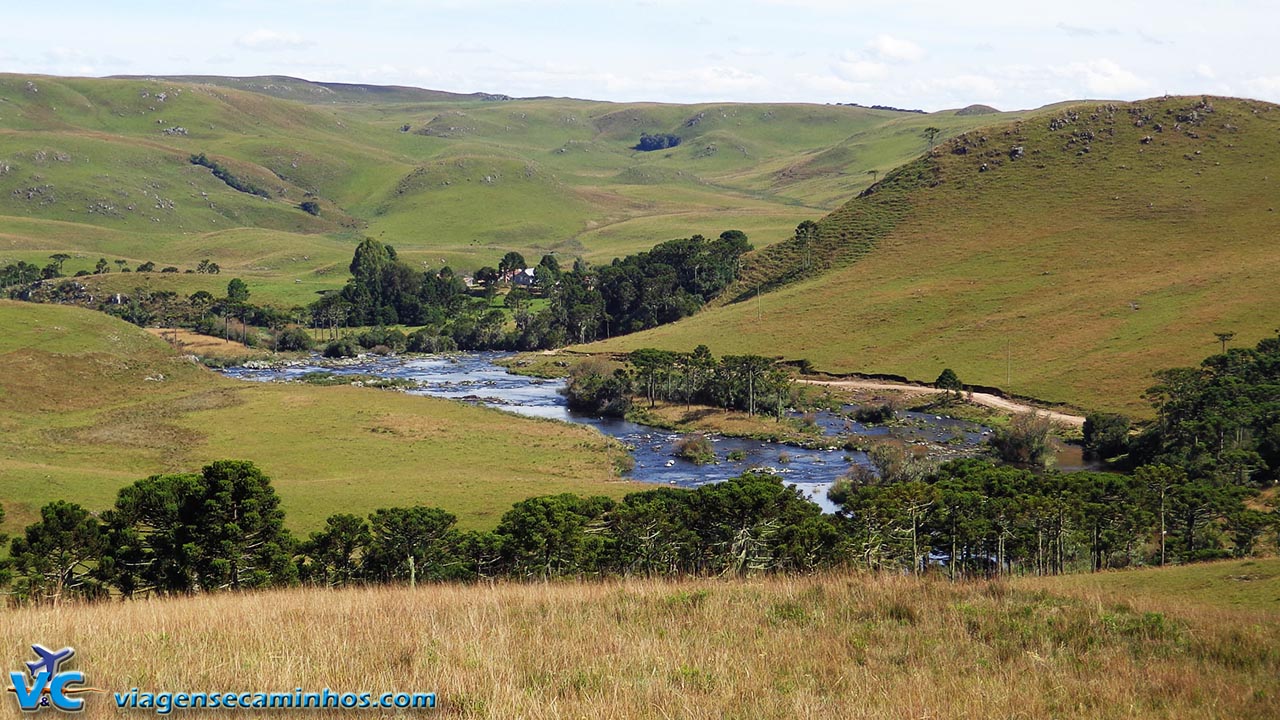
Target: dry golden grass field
{"points": [[842, 645]]}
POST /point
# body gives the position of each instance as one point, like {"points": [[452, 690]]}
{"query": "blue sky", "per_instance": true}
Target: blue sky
{"points": [[906, 53]]}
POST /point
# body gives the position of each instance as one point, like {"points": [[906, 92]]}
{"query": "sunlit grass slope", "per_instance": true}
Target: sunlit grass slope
{"points": [[1065, 257], [1236, 585], [89, 403]]}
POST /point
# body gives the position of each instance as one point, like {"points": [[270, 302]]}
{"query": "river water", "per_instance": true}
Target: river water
{"points": [[474, 377]]}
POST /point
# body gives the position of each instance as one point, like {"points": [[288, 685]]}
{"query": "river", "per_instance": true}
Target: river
{"points": [[475, 377]]}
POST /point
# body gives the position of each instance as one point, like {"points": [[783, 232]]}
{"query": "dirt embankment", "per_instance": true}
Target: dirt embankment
{"points": [[980, 398]]}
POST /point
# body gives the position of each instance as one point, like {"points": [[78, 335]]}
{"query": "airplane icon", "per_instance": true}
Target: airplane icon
{"points": [[49, 660]]}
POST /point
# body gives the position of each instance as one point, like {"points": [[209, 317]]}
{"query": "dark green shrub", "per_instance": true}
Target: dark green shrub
{"points": [[1106, 435], [294, 338], [594, 389], [696, 449], [424, 341], [392, 338], [874, 414], [948, 380], [346, 347]]}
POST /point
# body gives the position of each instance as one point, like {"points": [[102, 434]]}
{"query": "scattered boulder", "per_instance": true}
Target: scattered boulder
{"points": [[1016, 152], [41, 194]]}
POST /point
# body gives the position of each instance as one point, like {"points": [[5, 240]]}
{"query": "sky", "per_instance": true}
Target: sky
{"points": [[903, 53]]}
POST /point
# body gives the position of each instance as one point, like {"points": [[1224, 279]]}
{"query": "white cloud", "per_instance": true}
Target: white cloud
{"points": [[1263, 87], [1078, 31], [62, 54], [1203, 70], [975, 88], [887, 47], [856, 69], [831, 87], [873, 63], [720, 82], [1103, 77], [269, 40]]}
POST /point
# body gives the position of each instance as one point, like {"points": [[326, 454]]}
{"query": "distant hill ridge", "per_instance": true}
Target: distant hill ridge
{"points": [[310, 91], [977, 110]]}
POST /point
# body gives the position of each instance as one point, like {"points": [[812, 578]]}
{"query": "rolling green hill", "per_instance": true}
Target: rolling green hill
{"points": [[1064, 257], [89, 403], [100, 168]]}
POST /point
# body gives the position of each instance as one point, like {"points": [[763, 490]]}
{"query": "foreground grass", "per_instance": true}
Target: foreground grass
{"points": [[89, 404], [840, 645], [1249, 585]]}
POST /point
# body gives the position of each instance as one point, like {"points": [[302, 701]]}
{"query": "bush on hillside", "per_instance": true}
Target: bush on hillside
{"points": [[948, 380], [227, 177], [662, 141]]}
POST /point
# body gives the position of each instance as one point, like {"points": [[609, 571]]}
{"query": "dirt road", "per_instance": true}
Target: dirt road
{"points": [[987, 399]]}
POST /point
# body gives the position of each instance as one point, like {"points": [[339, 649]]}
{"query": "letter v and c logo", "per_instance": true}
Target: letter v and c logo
{"points": [[30, 696]]}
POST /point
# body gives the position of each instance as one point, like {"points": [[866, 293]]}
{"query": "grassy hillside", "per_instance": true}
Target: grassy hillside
{"points": [[99, 168], [840, 645], [1063, 257], [89, 403], [1239, 585]]}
